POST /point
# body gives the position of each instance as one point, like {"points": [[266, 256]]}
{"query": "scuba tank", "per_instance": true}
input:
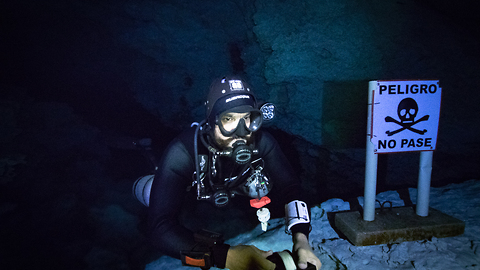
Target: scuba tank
{"points": [[141, 189], [142, 186]]}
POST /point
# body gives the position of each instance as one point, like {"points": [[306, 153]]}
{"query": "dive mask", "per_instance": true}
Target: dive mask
{"points": [[235, 122]]}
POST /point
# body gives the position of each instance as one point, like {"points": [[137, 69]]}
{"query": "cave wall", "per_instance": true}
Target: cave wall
{"points": [[312, 58], [305, 56]]}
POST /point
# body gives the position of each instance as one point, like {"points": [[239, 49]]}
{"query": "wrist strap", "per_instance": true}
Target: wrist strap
{"points": [[196, 259], [210, 251]]}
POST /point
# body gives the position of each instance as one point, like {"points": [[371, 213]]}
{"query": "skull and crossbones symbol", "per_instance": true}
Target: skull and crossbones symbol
{"points": [[407, 111]]}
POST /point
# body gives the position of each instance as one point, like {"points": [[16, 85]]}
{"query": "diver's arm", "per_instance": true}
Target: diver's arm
{"points": [[287, 184], [304, 252], [166, 199], [248, 257]]}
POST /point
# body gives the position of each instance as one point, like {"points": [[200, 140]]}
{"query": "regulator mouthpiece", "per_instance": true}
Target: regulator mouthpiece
{"points": [[221, 198], [241, 152]]}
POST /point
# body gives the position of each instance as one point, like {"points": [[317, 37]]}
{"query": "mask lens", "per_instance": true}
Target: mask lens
{"points": [[230, 121], [255, 121], [239, 123]]}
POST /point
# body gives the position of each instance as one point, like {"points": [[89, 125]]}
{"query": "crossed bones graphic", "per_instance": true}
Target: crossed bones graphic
{"points": [[406, 125]]}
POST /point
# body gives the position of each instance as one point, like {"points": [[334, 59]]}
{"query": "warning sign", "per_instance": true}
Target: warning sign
{"points": [[405, 115]]}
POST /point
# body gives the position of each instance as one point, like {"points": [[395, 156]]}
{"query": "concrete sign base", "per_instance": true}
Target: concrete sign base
{"points": [[395, 225]]}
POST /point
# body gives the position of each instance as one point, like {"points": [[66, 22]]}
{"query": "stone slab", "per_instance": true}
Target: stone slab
{"points": [[396, 225]]}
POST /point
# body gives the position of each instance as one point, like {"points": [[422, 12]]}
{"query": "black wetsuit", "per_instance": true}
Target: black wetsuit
{"points": [[174, 175]]}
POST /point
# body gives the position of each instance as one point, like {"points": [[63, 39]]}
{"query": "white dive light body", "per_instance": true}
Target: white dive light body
{"points": [[296, 212]]}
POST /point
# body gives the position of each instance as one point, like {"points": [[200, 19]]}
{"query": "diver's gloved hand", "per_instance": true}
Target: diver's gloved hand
{"points": [[245, 257], [303, 252]]}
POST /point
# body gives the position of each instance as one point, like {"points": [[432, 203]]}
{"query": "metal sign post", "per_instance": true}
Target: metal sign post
{"points": [[371, 163], [423, 187]]}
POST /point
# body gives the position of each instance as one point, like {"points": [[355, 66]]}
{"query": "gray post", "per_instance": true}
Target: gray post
{"points": [[371, 163], [424, 179]]}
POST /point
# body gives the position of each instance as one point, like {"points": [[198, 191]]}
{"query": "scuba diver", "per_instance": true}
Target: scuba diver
{"points": [[224, 156]]}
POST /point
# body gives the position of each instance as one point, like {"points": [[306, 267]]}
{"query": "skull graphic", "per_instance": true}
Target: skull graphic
{"points": [[407, 110]]}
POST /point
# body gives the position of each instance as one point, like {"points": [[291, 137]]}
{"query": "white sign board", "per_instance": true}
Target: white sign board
{"points": [[405, 115]]}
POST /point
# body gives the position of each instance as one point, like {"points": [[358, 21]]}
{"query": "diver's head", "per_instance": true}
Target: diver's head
{"points": [[232, 111]]}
